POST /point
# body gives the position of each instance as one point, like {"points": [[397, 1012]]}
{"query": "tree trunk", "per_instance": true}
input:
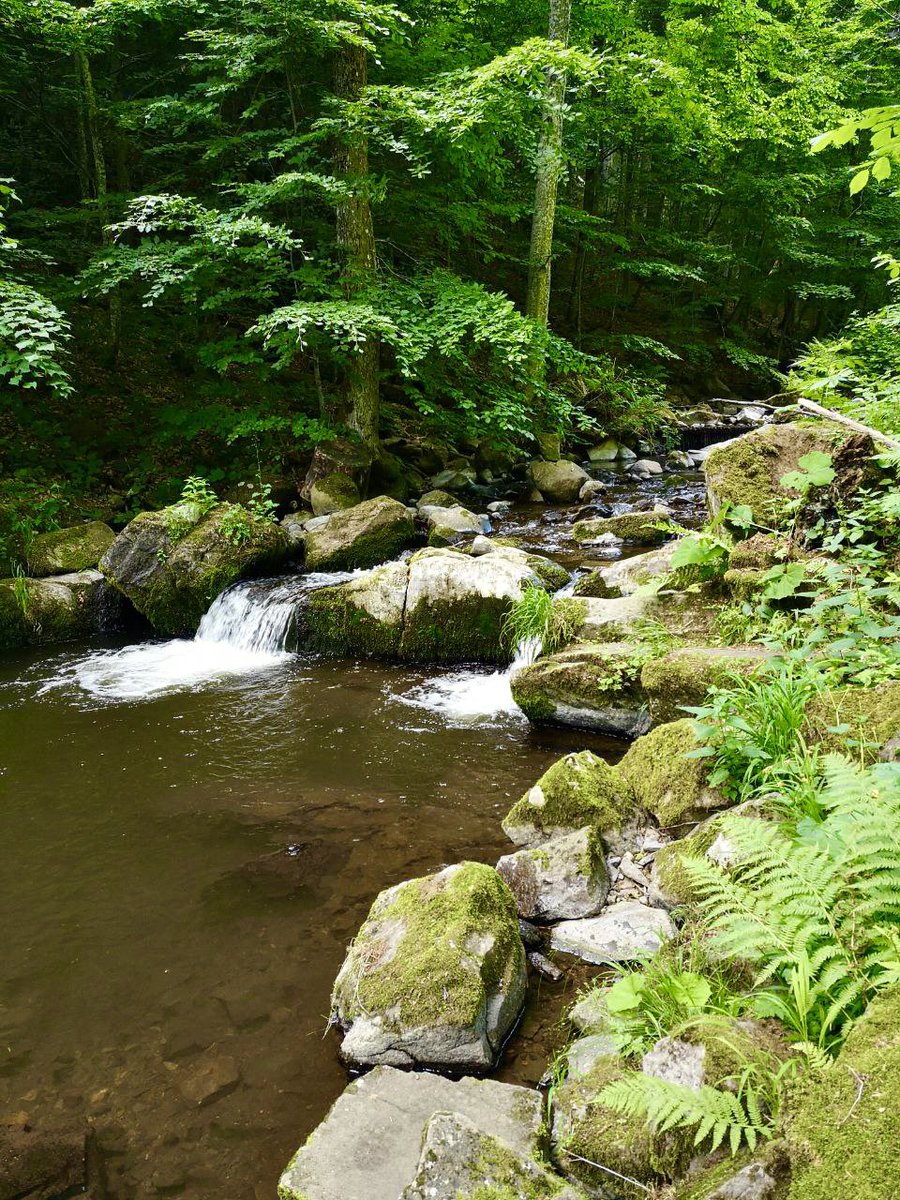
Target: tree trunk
{"points": [[356, 241], [549, 168]]}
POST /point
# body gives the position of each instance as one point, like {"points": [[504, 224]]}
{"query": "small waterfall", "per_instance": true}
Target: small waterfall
{"points": [[253, 616]]}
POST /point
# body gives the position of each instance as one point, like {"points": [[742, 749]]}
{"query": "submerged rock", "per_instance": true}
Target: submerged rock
{"points": [[369, 1147], [667, 784], [39, 1164], [460, 1160], [562, 878], [436, 975], [588, 686], [576, 791], [67, 550], [363, 536], [623, 933], [172, 564], [558, 482]]}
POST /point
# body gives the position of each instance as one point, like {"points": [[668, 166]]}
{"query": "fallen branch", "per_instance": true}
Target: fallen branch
{"points": [[600, 1167], [860, 1088], [829, 414]]}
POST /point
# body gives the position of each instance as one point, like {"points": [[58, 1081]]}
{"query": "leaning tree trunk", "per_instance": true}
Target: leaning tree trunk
{"points": [[356, 241], [549, 169]]}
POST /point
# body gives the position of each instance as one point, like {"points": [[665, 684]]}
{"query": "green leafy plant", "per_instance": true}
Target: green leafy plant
{"points": [[538, 617], [236, 524], [197, 491]]}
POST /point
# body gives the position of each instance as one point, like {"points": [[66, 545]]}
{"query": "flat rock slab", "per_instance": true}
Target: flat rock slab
{"points": [[459, 1160], [369, 1145], [621, 934]]}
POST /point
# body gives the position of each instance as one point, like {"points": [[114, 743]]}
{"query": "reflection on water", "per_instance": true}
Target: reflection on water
{"points": [[183, 869]]}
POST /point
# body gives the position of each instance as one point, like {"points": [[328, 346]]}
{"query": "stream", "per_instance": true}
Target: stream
{"points": [[192, 832]]}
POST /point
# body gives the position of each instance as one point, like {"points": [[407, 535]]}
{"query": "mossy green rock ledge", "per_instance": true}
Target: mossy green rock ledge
{"points": [[370, 1145], [668, 784], [362, 536], [58, 609], [68, 550], [172, 564], [436, 975], [682, 678], [579, 791]]}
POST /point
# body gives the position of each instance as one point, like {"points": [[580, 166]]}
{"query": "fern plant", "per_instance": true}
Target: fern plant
{"points": [[815, 908]]}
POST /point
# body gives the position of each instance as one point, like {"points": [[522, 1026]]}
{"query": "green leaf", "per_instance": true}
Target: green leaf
{"points": [[859, 181], [625, 994], [881, 168]]}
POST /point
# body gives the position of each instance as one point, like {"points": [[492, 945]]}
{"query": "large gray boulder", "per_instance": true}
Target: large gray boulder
{"points": [[565, 877], [449, 524], [57, 609], [460, 1160], [172, 564], [624, 577], [369, 1146], [363, 536], [333, 493], [623, 933], [436, 975], [558, 482], [69, 550]]}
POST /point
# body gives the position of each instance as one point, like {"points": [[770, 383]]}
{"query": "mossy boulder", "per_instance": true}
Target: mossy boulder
{"points": [[456, 605], [745, 583], [712, 1051], [437, 498], [69, 550], [585, 1132], [639, 528], [346, 456], [761, 552], [749, 469], [590, 686], [626, 576], [669, 875], [579, 790], [362, 618], [683, 677], [55, 609], [841, 1127], [550, 573], [172, 564], [333, 493], [436, 975], [667, 784], [449, 525], [558, 482], [563, 878], [868, 717], [363, 536], [682, 614]]}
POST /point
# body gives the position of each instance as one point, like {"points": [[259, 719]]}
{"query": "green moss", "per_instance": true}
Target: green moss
{"points": [[745, 583], [551, 574], [363, 536], [593, 585], [841, 1127], [870, 717], [590, 1130], [637, 527], [424, 979], [578, 790], [334, 625], [703, 1183], [504, 1177], [760, 552], [586, 677], [333, 492], [665, 783], [457, 630], [14, 626], [73, 549], [682, 677]]}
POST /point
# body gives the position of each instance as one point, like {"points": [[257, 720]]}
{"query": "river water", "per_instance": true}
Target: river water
{"points": [[191, 833]]}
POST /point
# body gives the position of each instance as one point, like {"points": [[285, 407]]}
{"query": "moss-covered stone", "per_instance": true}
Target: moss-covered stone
{"points": [[749, 469], [625, 618], [744, 583], [436, 974], [363, 536], [869, 718], [172, 564], [637, 527], [438, 498], [586, 1131], [681, 678], [558, 482], [332, 493], [68, 550], [449, 525], [760, 552], [576, 791], [841, 1127], [591, 686], [55, 609], [666, 783], [362, 618]]}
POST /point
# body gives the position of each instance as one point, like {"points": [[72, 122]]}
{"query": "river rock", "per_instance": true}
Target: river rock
{"points": [[369, 1146], [459, 1159], [591, 491], [363, 536], [606, 451], [682, 678], [585, 1052], [748, 470], [69, 550], [446, 525], [41, 1165], [332, 493], [645, 468], [623, 933], [172, 564], [208, 1080], [752, 1182], [684, 614], [665, 782], [437, 498], [436, 975], [558, 482], [345, 456], [57, 609], [590, 686], [635, 527], [550, 573], [578, 790], [362, 618], [565, 877], [626, 576]]}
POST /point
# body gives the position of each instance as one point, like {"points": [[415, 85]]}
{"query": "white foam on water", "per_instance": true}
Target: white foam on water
{"points": [[473, 697]]}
